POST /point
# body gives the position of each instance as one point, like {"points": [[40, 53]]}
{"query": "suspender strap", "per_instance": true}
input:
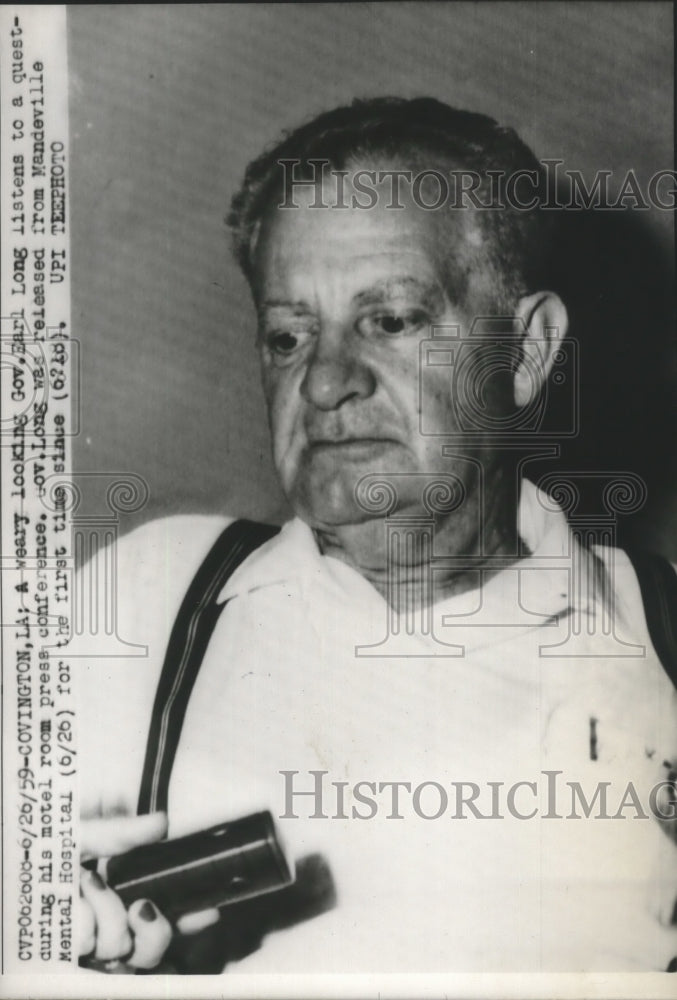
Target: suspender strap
{"points": [[187, 645], [658, 584]]}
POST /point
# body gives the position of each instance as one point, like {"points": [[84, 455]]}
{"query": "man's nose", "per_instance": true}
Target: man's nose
{"points": [[336, 374]]}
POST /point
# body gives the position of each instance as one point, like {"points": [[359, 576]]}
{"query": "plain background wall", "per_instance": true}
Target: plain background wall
{"points": [[168, 104]]}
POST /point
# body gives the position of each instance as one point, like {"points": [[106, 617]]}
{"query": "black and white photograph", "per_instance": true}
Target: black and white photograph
{"points": [[339, 499]]}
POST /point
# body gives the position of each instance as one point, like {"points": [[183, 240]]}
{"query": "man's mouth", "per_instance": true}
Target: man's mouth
{"points": [[350, 446], [347, 439]]}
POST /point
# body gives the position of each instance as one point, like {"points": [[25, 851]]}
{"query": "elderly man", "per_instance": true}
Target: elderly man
{"points": [[450, 703]]}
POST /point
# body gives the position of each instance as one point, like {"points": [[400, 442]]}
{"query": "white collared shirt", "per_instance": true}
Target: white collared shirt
{"points": [[522, 687]]}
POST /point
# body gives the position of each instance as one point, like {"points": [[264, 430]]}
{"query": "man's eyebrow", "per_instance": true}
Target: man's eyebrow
{"points": [[429, 292], [299, 306]]}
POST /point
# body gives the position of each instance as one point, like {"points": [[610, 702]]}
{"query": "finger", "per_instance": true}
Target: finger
{"points": [[87, 941], [113, 938], [152, 934], [191, 923], [101, 838]]}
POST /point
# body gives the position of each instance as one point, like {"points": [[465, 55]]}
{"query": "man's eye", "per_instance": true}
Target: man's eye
{"points": [[284, 342], [392, 324]]}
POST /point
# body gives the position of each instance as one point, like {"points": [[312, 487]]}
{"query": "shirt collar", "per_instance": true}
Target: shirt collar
{"points": [[294, 554], [290, 554]]}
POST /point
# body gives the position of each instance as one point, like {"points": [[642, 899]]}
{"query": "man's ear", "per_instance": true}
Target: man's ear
{"points": [[542, 323]]}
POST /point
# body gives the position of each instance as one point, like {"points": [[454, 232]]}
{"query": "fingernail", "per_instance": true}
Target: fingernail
{"points": [[148, 911], [96, 880], [115, 965]]}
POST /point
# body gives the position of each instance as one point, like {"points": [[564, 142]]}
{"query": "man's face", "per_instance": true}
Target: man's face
{"points": [[344, 298]]}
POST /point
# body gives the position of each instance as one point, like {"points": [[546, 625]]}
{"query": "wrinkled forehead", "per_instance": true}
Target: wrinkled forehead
{"points": [[356, 222]]}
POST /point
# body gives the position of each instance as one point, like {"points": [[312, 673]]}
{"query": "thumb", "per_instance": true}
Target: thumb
{"points": [[101, 838]]}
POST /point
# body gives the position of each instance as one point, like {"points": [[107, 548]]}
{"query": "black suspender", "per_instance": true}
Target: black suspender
{"points": [[658, 583], [199, 613], [195, 622]]}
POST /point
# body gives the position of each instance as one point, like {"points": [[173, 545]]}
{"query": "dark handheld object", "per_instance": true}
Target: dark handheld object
{"points": [[223, 864]]}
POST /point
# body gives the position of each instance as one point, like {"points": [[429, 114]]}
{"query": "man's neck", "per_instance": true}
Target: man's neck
{"points": [[401, 572]]}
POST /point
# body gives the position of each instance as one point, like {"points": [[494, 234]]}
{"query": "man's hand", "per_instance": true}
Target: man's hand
{"points": [[140, 935]]}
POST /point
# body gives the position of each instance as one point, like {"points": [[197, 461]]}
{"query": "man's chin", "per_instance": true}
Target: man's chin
{"points": [[326, 494], [329, 507], [326, 516]]}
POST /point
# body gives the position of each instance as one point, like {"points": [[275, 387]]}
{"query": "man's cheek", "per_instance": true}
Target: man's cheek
{"points": [[435, 410], [280, 402], [288, 434]]}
